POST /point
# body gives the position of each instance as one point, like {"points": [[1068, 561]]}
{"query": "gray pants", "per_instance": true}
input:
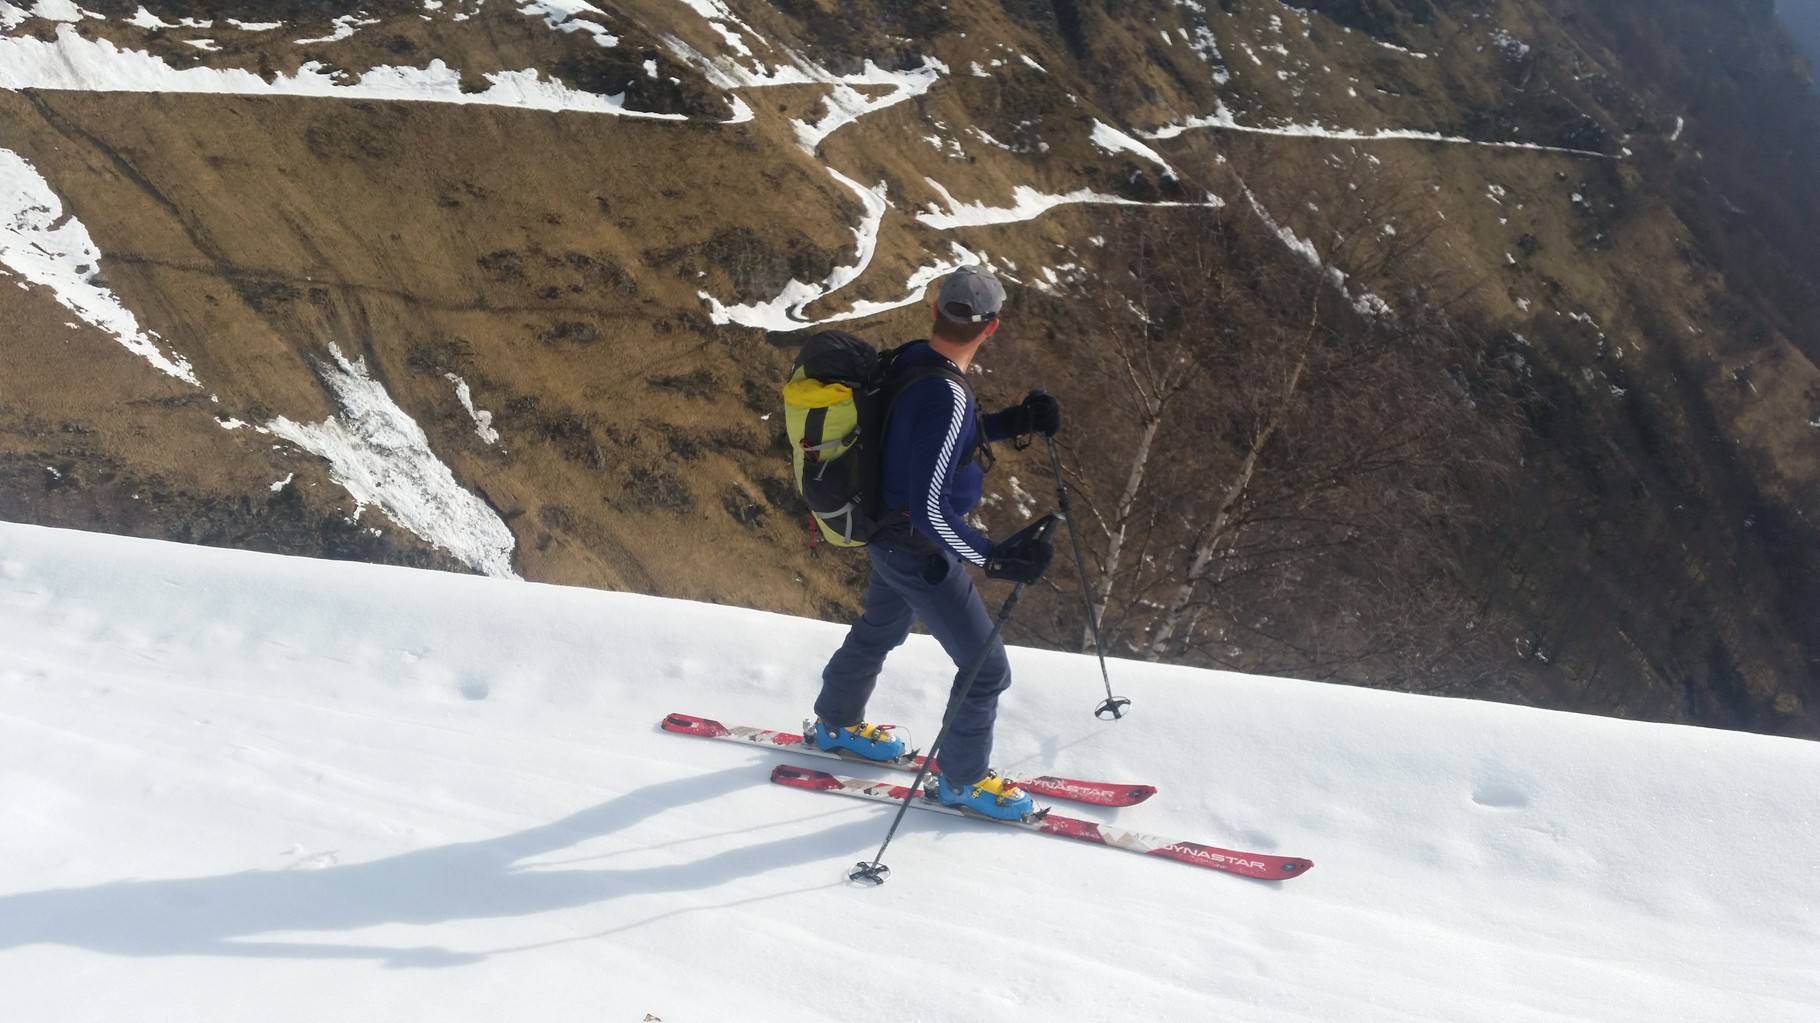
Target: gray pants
{"points": [[907, 585]]}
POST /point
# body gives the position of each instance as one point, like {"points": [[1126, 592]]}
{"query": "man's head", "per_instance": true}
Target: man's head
{"points": [[968, 305]]}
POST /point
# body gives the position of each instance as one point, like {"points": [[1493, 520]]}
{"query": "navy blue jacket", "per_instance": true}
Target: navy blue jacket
{"points": [[930, 467]]}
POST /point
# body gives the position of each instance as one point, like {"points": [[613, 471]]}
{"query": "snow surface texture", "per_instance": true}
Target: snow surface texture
{"points": [[244, 787], [43, 243]]}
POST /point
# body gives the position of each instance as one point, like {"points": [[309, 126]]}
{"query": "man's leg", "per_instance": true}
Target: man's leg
{"points": [[942, 594], [851, 674]]}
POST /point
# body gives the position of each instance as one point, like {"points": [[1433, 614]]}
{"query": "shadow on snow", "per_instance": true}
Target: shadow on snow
{"points": [[214, 916]]}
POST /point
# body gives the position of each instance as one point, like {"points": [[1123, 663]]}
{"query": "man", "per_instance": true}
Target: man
{"points": [[934, 461]]}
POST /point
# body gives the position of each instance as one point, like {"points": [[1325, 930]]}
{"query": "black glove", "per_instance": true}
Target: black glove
{"points": [[1025, 557], [1038, 413]]}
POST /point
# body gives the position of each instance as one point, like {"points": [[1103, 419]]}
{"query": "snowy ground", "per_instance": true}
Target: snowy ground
{"points": [[238, 787]]}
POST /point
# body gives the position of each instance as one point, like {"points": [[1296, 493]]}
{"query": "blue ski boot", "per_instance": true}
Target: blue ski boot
{"points": [[861, 741], [991, 796]]}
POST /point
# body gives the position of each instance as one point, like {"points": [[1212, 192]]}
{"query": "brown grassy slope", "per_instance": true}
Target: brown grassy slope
{"points": [[1640, 405], [554, 262], [254, 233]]}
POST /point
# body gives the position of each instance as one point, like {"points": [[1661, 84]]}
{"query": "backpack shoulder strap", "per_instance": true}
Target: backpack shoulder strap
{"points": [[897, 380], [894, 378]]}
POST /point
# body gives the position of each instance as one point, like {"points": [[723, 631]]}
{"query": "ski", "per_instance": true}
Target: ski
{"points": [[1096, 793], [1248, 864]]}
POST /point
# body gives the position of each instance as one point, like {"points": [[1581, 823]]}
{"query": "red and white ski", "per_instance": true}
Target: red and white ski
{"points": [[1249, 864], [1096, 793]]}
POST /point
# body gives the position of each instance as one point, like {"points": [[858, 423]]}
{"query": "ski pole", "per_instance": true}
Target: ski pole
{"points": [[1114, 706], [874, 871]]}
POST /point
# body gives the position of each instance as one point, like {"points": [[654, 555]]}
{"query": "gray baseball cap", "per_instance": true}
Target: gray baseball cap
{"points": [[970, 295]]}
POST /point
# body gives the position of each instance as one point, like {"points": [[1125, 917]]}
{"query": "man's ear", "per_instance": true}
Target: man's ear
{"points": [[991, 327]]}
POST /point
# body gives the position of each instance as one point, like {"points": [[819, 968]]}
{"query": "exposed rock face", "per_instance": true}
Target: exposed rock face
{"points": [[1489, 324]]}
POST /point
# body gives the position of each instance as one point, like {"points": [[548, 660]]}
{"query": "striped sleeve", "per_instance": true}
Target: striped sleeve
{"points": [[944, 437]]}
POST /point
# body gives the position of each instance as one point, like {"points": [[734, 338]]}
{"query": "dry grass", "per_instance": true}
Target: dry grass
{"points": [[554, 262]]}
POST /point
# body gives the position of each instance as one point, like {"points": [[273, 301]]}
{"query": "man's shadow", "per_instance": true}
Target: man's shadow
{"points": [[470, 880]]}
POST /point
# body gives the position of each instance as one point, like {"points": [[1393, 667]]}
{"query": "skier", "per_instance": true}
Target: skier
{"points": [[936, 453]]}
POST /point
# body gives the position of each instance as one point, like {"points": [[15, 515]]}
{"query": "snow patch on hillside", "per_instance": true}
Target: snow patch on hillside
{"points": [[1366, 304], [1026, 204], [98, 65], [62, 10], [345, 27], [1222, 119], [45, 244], [483, 420], [786, 310], [845, 104], [566, 16], [865, 236], [726, 73], [1112, 140], [719, 16], [380, 454]]}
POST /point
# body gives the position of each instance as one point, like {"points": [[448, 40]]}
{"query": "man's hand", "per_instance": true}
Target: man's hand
{"points": [[1038, 413], [1026, 556]]}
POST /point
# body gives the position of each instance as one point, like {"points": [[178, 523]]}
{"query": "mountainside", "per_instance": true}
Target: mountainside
{"points": [[1452, 346]]}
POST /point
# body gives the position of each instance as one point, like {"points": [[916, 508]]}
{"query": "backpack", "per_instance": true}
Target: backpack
{"points": [[835, 404]]}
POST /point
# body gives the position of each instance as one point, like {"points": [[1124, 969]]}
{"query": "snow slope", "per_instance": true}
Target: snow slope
{"points": [[236, 786]]}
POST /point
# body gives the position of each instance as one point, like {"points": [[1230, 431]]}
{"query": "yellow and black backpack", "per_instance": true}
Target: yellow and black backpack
{"points": [[835, 404]]}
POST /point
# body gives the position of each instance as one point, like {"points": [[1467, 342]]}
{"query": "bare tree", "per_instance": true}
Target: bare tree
{"points": [[1152, 376], [1297, 476]]}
